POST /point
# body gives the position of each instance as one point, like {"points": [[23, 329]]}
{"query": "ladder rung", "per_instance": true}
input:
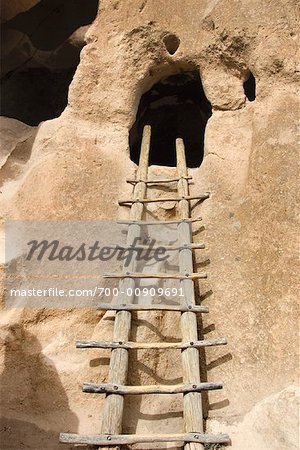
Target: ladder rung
{"points": [[104, 440], [164, 199], [152, 307], [110, 388], [192, 246], [150, 345], [137, 247], [177, 276], [165, 180], [158, 222]]}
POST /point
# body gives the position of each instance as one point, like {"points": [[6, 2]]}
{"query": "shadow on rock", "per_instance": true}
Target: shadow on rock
{"points": [[34, 405]]}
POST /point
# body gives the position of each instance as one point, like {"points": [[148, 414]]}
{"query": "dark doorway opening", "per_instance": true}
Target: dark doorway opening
{"points": [[250, 88], [174, 107]]}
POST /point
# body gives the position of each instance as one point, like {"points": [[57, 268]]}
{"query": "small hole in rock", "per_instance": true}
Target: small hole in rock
{"points": [[250, 88], [172, 43]]}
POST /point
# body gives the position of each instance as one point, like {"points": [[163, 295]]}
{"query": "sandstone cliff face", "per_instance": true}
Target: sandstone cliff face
{"points": [[75, 166]]}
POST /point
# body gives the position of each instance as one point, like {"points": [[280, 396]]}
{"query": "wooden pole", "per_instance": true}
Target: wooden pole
{"points": [[165, 276], [118, 368], [152, 307], [158, 181], [192, 401], [151, 345], [109, 388], [157, 222], [154, 248], [130, 439], [164, 199]]}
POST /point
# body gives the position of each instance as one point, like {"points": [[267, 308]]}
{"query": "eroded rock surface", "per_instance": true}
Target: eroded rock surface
{"points": [[76, 169]]}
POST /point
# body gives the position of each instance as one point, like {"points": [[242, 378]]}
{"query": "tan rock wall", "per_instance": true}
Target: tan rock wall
{"points": [[77, 169]]}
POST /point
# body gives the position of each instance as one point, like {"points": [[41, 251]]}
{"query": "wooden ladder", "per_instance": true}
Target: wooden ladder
{"points": [[193, 437]]}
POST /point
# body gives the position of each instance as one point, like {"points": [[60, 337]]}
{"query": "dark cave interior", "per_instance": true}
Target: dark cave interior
{"points": [[174, 107], [33, 90]]}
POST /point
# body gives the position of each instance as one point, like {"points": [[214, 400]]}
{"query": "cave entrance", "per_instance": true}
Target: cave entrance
{"points": [[174, 107], [41, 51]]}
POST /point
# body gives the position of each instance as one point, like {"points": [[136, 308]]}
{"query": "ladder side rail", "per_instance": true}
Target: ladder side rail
{"points": [[118, 369], [192, 401]]}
